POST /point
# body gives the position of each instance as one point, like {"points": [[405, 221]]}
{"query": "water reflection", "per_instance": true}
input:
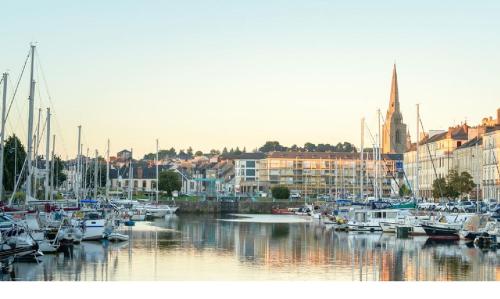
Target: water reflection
{"points": [[203, 248]]}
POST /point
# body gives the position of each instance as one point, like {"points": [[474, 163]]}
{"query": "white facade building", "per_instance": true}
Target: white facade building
{"points": [[491, 165]]}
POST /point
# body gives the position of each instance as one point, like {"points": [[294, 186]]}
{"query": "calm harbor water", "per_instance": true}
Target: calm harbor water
{"points": [[207, 248]]}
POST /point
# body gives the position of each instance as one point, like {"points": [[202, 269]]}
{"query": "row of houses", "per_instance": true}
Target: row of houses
{"points": [[462, 148], [312, 174], [250, 174]]}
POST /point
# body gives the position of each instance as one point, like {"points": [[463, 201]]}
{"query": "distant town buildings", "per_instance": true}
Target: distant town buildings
{"points": [[307, 173], [462, 148]]}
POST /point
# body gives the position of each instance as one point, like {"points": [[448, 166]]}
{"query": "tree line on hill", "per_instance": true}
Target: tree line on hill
{"points": [[269, 146]]}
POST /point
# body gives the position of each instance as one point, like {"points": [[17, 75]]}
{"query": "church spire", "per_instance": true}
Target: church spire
{"points": [[394, 100]]}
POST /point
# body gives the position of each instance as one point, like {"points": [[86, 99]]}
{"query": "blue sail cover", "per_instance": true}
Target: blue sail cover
{"points": [[88, 201]]}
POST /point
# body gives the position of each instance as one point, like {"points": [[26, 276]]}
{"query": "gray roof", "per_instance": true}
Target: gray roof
{"points": [[472, 142], [244, 156]]}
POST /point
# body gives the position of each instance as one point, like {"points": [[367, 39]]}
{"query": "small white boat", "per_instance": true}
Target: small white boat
{"points": [[47, 246], [370, 220], [93, 227], [138, 216], [117, 237], [158, 211], [70, 234]]}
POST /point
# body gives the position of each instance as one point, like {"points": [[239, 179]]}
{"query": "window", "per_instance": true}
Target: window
{"points": [[251, 164], [398, 137], [250, 172]]}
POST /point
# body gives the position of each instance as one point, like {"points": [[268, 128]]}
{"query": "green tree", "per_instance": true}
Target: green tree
{"points": [[280, 192], [310, 147], [198, 153], [272, 146], [214, 152], [460, 184], [169, 181], [404, 191], [61, 177], [439, 188], [14, 155]]}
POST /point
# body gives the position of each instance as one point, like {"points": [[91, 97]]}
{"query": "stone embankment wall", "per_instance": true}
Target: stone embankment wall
{"points": [[242, 207]]}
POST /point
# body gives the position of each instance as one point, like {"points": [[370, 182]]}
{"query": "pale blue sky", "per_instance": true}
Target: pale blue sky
{"points": [[215, 73]]}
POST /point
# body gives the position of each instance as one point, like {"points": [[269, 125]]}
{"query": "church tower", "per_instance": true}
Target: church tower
{"points": [[394, 130]]}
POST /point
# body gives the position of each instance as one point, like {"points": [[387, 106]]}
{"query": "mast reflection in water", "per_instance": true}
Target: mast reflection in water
{"points": [[204, 248]]}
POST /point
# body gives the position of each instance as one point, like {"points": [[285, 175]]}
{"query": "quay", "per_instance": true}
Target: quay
{"points": [[246, 206]]}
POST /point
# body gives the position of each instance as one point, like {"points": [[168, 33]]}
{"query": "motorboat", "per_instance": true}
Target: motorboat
{"points": [[93, 226], [17, 242], [414, 224], [475, 226], [370, 220], [137, 215], [117, 237], [277, 211], [157, 211], [443, 231]]}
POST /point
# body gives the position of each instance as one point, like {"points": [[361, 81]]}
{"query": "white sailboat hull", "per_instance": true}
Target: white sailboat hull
{"points": [[93, 229]]}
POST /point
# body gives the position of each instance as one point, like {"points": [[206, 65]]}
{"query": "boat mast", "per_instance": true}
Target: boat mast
{"points": [[52, 165], [336, 179], [47, 153], [375, 169], [77, 176], [31, 101], [362, 161], [85, 189], [379, 157], [478, 175], [96, 169], [36, 142], [417, 157], [157, 174], [107, 173], [130, 174], [4, 103]]}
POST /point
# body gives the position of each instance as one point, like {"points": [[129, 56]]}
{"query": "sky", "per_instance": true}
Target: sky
{"points": [[209, 74]]}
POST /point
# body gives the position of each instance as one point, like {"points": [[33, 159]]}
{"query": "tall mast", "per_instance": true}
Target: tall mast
{"points": [[36, 144], [85, 189], [47, 153], [79, 153], [52, 166], [379, 157], [4, 103], [336, 179], [478, 175], [417, 158], [362, 161], [157, 173], [375, 162], [130, 174], [31, 101], [107, 173], [96, 168]]}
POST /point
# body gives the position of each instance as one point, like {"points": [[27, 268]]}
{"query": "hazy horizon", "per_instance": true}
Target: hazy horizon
{"points": [[209, 74]]}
